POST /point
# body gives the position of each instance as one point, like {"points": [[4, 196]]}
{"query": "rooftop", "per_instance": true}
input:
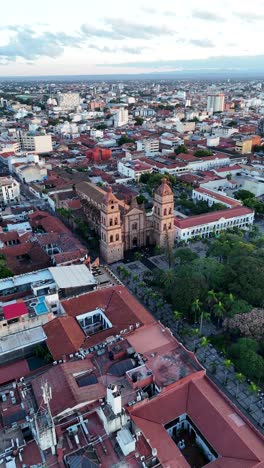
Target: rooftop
{"points": [[198, 220]]}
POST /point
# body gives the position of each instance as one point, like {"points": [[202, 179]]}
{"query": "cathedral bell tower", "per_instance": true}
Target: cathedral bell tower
{"points": [[111, 244], [163, 215]]}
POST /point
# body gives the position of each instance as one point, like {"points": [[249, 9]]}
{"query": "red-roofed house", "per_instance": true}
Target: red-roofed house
{"points": [[194, 411], [15, 310], [64, 336]]}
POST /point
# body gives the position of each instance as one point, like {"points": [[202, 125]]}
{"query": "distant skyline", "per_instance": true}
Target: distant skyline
{"points": [[67, 38]]}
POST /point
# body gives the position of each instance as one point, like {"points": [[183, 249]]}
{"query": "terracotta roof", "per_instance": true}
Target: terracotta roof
{"points": [[222, 425], [193, 221], [91, 191], [121, 308], [13, 371], [219, 198], [64, 336], [66, 393]]}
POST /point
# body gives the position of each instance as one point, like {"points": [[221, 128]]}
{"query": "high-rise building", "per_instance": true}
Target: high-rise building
{"points": [[120, 117], [215, 102], [68, 101]]}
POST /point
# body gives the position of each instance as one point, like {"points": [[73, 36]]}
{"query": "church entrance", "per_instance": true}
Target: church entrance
{"points": [[134, 242]]}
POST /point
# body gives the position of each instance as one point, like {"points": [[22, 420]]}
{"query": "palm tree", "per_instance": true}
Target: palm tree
{"points": [[253, 388], [177, 317], [196, 307], [204, 317], [240, 378], [137, 256], [219, 310], [211, 298], [168, 279], [195, 334], [204, 344], [227, 365]]}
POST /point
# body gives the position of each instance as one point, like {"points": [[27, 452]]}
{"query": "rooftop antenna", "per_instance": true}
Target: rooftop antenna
{"points": [[47, 395]]}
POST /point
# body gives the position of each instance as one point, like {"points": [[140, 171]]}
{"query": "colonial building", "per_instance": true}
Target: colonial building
{"points": [[122, 227]]}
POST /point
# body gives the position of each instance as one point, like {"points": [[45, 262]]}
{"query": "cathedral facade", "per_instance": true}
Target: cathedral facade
{"points": [[122, 227]]}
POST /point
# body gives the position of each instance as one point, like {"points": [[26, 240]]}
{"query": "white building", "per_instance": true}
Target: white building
{"points": [[213, 196], [148, 145], [31, 173], [9, 190], [182, 127], [133, 169], [68, 101], [120, 117], [35, 142], [211, 224], [215, 102]]}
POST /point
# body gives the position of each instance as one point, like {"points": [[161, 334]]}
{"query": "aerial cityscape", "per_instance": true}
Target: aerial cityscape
{"points": [[132, 236]]}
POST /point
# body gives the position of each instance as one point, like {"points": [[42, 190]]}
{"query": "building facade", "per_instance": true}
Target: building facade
{"points": [[36, 143], [123, 227], [9, 190], [211, 224], [215, 102]]}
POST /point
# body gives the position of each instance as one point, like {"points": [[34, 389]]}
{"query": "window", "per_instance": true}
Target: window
{"points": [[111, 222], [170, 211], [117, 237], [116, 221], [134, 226], [170, 226], [111, 239], [165, 212], [164, 227], [158, 211]]}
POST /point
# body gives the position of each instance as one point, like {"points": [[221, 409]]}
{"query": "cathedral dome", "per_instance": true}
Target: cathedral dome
{"points": [[109, 196], [164, 189]]}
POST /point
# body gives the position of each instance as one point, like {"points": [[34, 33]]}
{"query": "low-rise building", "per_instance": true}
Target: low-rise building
{"points": [[133, 169], [211, 224]]}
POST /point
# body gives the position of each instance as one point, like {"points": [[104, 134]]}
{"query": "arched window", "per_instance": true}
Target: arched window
{"points": [[134, 226], [158, 211], [170, 211], [111, 222], [117, 237], [116, 221], [155, 209], [169, 226], [164, 227], [165, 212], [111, 239]]}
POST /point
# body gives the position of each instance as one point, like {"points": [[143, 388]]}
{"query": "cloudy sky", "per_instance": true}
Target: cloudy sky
{"points": [[118, 36]]}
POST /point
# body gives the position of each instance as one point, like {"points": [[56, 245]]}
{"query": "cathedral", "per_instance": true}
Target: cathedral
{"points": [[122, 227]]}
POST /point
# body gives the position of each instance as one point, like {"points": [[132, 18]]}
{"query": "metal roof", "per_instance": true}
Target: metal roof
{"points": [[72, 276]]}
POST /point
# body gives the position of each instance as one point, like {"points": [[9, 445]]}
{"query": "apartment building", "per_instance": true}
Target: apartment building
{"points": [[9, 190], [149, 146], [37, 143]]}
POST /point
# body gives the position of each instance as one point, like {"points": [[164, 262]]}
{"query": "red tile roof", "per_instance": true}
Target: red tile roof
{"points": [[219, 198], [220, 422], [121, 308], [193, 221], [14, 310], [13, 371], [64, 336], [65, 391]]}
